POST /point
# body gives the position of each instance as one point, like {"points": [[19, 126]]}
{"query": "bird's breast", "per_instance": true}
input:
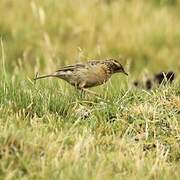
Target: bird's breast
{"points": [[96, 76]]}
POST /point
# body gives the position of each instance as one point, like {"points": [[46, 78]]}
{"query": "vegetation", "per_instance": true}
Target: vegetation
{"points": [[48, 130]]}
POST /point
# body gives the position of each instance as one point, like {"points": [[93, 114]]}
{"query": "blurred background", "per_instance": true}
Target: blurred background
{"points": [[43, 35]]}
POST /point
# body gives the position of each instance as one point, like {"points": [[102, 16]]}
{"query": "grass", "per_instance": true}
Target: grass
{"points": [[49, 131], [47, 135]]}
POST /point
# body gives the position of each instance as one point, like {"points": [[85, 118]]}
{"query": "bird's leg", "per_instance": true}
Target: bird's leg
{"points": [[89, 91], [36, 77], [93, 93], [82, 93], [81, 87]]}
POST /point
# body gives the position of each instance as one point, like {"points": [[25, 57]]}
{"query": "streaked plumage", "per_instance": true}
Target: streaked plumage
{"points": [[89, 74]]}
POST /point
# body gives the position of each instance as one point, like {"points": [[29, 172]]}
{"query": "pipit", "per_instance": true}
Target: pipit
{"points": [[89, 74]]}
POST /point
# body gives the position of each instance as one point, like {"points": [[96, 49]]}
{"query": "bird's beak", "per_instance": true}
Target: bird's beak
{"points": [[125, 73]]}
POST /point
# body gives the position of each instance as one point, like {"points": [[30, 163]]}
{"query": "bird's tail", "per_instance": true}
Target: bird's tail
{"points": [[44, 76]]}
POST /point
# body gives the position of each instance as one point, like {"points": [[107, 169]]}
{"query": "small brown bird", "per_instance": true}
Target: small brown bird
{"points": [[89, 74]]}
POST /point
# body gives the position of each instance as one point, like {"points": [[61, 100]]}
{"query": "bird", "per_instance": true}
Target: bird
{"points": [[89, 74]]}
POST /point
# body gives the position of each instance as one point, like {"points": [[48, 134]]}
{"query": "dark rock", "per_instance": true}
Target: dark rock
{"points": [[164, 77], [136, 83], [149, 84]]}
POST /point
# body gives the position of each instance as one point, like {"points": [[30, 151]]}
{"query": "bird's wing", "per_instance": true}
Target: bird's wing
{"points": [[94, 62], [79, 66], [71, 67]]}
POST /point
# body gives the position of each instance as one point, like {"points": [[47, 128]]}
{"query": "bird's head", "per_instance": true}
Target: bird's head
{"points": [[116, 67]]}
